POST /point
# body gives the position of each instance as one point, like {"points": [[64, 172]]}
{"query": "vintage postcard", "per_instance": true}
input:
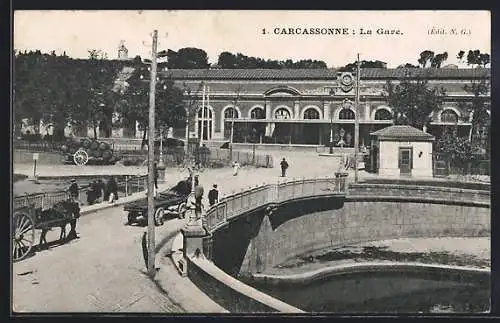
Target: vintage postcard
{"points": [[218, 161]]}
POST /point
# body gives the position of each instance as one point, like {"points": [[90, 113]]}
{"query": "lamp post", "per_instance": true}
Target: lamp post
{"points": [[356, 122], [331, 134]]}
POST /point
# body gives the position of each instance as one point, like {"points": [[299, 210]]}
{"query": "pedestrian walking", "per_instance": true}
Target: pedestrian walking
{"points": [[213, 195], [73, 190], [236, 167], [284, 167], [112, 189], [99, 189], [91, 194], [155, 172], [198, 195]]}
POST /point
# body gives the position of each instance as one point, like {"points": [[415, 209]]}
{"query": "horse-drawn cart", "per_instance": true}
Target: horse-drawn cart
{"points": [[42, 211], [171, 202], [88, 151]]}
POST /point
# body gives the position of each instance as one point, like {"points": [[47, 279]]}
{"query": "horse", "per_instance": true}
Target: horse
{"points": [[59, 215]]}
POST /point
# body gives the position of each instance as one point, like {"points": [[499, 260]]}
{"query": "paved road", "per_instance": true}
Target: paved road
{"points": [[103, 270]]}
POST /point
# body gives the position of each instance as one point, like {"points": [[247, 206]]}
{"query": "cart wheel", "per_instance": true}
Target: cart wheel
{"points": [[181, 210], [81, 157], [23, 233], [160, 212]]}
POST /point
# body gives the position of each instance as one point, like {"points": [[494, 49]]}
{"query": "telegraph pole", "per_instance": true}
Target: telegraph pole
{"points": [[202, 115], [151, 160], [356, 122]]}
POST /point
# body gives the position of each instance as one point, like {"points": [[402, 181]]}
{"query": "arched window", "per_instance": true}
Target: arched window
{"points": [[205, 122], [383, 114], [208, 113], [282, 113], [257, 113], [231, 113], [311, 114], [346, 114], [449, 116]]}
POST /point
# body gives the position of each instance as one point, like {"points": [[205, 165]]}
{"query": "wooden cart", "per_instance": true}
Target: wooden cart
{"points": [[37, 211]]}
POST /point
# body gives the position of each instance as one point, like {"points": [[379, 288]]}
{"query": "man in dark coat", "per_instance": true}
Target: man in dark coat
{"points": [[73, 190], [213, 195], [284, 167], [112, 189], [198, 194], [155, 172]]}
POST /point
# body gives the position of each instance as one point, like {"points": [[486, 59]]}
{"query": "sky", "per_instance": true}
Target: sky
{"points": [[215, 31]]}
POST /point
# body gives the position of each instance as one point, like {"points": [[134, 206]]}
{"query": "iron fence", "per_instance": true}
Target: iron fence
{"points": [[244, 201], [127, 185]]}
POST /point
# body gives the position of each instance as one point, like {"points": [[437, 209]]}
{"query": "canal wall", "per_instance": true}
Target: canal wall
{"points": [[258, 240]]}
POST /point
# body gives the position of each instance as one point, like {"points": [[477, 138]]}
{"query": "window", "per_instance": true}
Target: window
{"points": [[257, 113], [383, 114], [346, 114], [282, 113], [449, 116], [208, 113], [231, 113], [311, 114]]}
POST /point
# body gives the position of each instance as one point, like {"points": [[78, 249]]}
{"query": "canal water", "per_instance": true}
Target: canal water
{"points": [[407, 291]]}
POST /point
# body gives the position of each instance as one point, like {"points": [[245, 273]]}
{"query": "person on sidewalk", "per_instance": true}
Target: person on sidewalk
{"points": [[213, 195], [91, 193], [155, 172], [73, 190], [198, 195], [112, 190], [236, 167], [99, 190], [284, 167]]}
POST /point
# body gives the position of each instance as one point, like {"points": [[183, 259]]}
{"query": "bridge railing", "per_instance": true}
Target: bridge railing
{"points": [[237, 203]]}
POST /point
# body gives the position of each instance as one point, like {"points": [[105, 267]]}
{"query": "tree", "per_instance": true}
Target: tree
{"points": [[230, 61], [188, 58], [425, 57], [478, 107], [413, 101], [475, 57], [457, 151], [169, 105], [408, 65], [364, 64], [438, 59]]}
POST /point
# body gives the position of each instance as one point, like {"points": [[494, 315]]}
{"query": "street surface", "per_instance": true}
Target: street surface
{"points": [[104, 271]]}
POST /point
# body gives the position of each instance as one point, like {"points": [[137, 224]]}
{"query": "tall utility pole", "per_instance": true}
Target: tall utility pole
{"points": [[202, 115], [207, 115], [356, 122], [151, 160]]}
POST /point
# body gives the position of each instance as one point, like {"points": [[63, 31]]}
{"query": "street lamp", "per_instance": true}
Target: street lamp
{"points": [[187, 108], [331, 134]]}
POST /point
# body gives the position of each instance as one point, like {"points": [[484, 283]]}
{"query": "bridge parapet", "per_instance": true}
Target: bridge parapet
{"points": [[239, 203]]}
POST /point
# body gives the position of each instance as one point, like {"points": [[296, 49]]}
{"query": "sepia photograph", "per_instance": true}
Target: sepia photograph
{"points": [[243, 161]]}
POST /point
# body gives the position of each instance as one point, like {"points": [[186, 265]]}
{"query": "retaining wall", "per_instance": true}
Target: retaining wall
{"points": [[259, 241]]}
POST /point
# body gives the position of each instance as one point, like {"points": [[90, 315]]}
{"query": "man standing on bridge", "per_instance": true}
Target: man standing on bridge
{"points": [[284, 167], [198, 194]]}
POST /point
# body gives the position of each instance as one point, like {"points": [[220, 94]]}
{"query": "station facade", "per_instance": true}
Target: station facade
{"points": [[304, 106]]}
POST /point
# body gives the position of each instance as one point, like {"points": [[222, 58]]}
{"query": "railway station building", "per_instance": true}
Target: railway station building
{"points": [[300, 106]]}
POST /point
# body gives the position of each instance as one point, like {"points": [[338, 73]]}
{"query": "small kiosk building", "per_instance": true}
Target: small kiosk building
{"points": [[402, 151]]}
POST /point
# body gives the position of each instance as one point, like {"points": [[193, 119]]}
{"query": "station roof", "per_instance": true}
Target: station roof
{"points": [[402, 133], [323, 73]]}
